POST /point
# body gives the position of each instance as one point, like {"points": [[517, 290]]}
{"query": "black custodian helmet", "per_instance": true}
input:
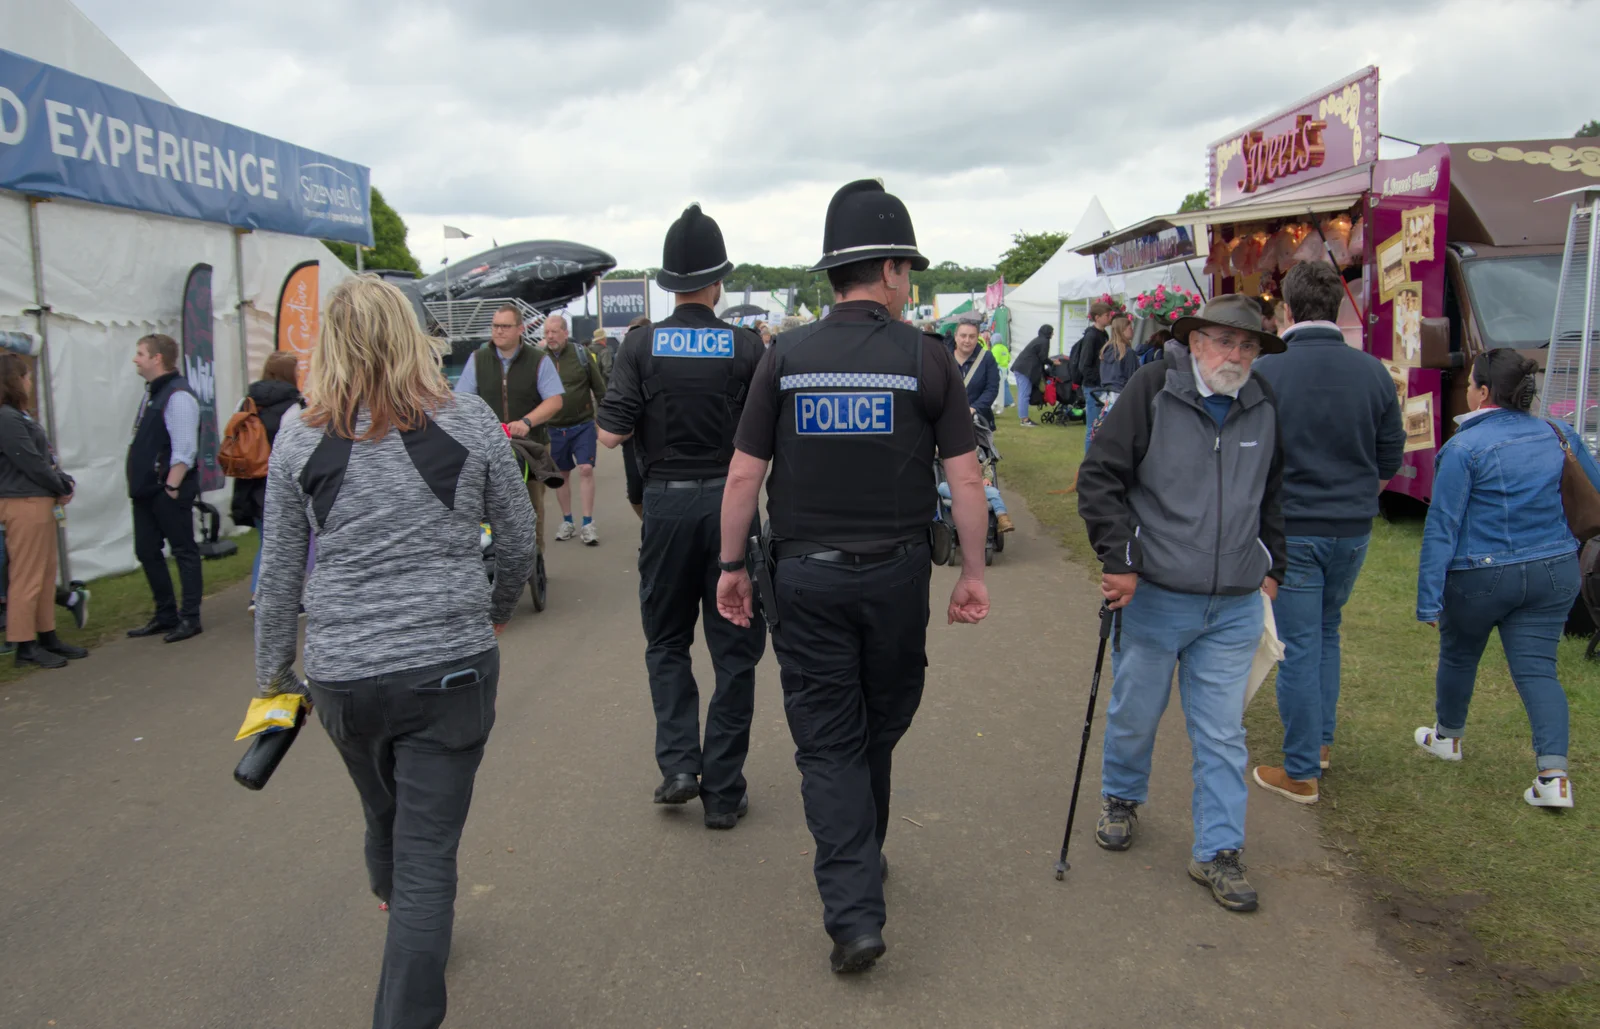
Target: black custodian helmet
{"points": [[693, 256], [866, 224]]}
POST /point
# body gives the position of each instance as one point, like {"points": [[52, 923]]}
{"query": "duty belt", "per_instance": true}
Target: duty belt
{"points": [[799, 548], [687, 483]]}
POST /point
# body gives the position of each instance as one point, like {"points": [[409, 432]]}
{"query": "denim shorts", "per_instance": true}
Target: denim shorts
{"points": [[573, 445]]}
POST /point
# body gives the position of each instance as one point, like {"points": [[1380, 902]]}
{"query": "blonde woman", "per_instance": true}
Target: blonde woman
{"points": [[395, 473], [1118, 361]]}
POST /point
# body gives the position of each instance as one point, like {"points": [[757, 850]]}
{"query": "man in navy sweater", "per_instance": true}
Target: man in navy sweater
{"points": [[1342, 440]]}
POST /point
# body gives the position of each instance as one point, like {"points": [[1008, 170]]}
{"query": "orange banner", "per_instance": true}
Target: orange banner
{"points": [[297, 316]]}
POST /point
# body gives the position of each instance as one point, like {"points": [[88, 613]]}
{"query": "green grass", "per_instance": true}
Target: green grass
{"points": [[122, 602], [1417, 826]]}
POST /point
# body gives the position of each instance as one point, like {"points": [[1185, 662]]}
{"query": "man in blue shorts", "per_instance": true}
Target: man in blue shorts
{"points": [[572, 432]]}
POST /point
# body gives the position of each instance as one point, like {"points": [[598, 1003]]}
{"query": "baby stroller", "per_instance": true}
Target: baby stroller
{"points": [[533, 459], [1061, 401], [946, 541]]}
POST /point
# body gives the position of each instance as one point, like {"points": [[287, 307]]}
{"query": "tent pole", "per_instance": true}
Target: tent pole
{"points": [[238, 310], [41, 312]]}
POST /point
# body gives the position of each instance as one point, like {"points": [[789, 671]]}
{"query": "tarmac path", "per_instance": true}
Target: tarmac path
{"points": [[143, 889]]}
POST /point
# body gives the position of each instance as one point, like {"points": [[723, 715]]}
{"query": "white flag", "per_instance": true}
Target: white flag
{"points": [[451, 232]]}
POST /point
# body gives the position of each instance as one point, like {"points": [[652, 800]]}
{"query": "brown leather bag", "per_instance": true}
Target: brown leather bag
{"points": [[1579, 498]]}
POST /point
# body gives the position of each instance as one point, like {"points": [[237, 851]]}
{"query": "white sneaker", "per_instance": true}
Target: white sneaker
{"points": [[1555, 793], [589, 536], [1447, 748], [567, 530]]}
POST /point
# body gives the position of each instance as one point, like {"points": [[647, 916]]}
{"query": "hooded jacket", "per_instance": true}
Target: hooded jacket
{"points": [[1030, 363], [1188, 505], [273, 399]]}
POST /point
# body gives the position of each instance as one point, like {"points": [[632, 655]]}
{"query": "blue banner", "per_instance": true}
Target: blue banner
{"points": [[62, 135]]}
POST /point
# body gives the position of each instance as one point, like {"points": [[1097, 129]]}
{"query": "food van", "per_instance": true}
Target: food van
{"points": [[1445, 253]]}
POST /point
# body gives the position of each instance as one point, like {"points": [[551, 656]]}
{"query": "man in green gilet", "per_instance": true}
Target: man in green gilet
{"points": [[522, 387]]}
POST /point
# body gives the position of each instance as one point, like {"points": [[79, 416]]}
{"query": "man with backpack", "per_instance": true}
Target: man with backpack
{"points": [[573, 441]]}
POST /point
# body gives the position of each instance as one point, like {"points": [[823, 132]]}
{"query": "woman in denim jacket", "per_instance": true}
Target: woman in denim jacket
{"points": [[1497, 553]]}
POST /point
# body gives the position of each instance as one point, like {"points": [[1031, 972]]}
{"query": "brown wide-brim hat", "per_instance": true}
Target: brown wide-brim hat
{"points": [[1230, 311]]}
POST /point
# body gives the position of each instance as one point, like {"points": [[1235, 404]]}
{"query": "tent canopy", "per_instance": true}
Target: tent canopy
{"points": [[111, 275], [1037, 301]]}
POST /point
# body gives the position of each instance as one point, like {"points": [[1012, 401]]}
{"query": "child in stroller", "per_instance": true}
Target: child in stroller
{"points": [[945, 540]]}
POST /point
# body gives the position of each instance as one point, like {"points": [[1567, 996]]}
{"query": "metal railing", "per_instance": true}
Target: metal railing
{"points": [[472, 319]]}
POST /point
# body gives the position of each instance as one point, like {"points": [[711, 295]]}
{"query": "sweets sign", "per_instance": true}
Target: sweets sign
{"points": [[1331, 130]]}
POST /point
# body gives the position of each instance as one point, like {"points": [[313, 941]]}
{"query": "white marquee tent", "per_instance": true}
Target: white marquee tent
{"points": [[1037, 301], [109, 276]]}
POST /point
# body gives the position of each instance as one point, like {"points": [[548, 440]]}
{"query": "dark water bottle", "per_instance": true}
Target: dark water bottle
{"points": [[266, 750]]}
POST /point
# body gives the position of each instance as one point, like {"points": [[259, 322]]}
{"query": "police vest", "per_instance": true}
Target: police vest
{"points": [[853, 451], [693, 377]]}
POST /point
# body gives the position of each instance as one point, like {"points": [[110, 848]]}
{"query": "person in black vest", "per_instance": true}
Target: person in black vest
{"points": [[677, 389], [522, 388], [163, 486], [850, 411]]}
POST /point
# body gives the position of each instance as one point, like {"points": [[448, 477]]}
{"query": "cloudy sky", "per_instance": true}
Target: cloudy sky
{"points": [[599, 121]]}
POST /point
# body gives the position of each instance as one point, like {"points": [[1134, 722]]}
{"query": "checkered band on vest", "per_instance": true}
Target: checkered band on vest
{"points": [[847, 380]]}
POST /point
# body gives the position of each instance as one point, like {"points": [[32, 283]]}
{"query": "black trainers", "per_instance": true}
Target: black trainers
{"points": [[1118, 817], [1224, 874]]}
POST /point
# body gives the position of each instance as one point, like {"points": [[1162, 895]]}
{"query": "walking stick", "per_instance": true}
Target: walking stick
{"points": [[1107, 617]]}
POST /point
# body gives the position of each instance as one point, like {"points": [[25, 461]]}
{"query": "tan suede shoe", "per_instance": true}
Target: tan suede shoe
{"points": [[1273, 778]]}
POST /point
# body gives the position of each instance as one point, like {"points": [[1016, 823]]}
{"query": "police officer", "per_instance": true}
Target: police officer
{"points": [[849, 411], [677, 388]]}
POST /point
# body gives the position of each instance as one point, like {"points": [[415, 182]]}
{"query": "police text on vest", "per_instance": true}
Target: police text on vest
{"points": [[827, 414], [682, 341]]}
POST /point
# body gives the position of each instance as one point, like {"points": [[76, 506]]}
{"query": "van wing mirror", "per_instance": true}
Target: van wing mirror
{"points": [[1436, 345]]}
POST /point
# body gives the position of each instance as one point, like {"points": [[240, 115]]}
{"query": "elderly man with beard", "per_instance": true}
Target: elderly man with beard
{"points": [[1181, 494]]}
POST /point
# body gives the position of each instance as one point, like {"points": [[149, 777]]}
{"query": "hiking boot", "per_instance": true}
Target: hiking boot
{"points": [[1002, 523], [1271, 777], [1224, 874], [1325, 759], [567, 530], [589, 535], [1114, 830], [1447, 748], [1549, 791]]}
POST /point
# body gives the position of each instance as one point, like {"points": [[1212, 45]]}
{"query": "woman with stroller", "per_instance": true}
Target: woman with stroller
{"points": [[978, 370], [1497, 554]]}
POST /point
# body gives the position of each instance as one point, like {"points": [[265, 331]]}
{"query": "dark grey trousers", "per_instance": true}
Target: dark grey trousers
{"points": [[412, 745]]}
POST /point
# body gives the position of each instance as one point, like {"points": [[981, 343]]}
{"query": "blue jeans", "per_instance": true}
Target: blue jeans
{"points": [[1310, 605], [1528, 603], [996, 505], [1211, 641], [1091, 408], [1024, 394]]}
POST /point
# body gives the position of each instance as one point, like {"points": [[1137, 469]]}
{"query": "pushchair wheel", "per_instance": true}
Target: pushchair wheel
{"points": [[538, 586], [988, 554], [943, 543], [999, 542]]}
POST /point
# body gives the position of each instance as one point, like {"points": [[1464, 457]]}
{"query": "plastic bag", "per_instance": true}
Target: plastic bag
{"points": [[1310, 249], [1219, 262], [1247, 254], [1358, 241], [1336, 231], [270, 714]]}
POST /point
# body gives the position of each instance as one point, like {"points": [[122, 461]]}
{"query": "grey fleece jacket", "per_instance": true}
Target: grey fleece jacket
{"points": [[1167, 494], [400, 581]]}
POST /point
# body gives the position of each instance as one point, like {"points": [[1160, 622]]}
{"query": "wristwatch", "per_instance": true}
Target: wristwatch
{"points": [[731, 566], [528, 424]]}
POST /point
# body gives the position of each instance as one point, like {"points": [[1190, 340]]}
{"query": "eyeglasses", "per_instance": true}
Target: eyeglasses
{"points": [[1245, 346]]}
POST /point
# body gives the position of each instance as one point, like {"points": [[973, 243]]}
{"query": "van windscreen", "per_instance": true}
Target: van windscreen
{"points": [[1514, 298]]}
